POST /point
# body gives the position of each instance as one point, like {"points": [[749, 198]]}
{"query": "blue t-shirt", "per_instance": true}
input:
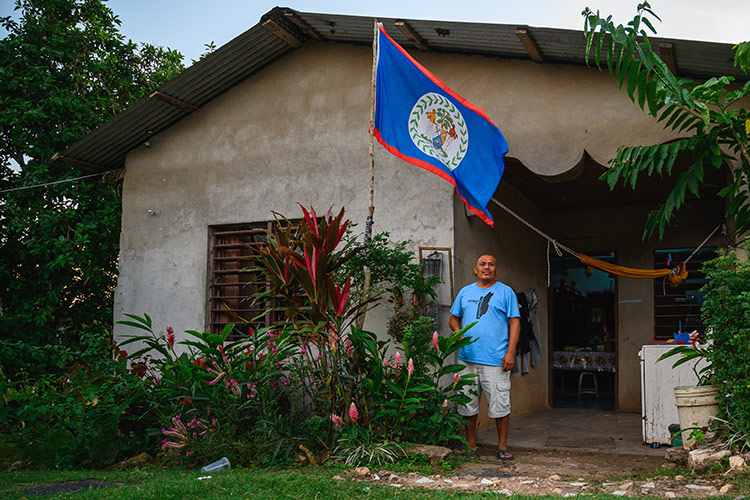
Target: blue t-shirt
{"points": [[490, 307]]}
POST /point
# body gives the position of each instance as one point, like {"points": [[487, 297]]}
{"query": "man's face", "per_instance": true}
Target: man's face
{"points": [[486, 268]]}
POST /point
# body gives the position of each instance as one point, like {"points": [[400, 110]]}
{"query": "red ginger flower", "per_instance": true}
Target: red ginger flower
{"points": [[170, 336], [435, 338], [353, 413], [410, 367]]}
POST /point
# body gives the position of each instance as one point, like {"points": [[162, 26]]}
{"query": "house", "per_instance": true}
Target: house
{"points": [[279, 116]]}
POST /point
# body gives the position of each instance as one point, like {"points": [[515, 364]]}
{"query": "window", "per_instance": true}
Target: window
{"points": [[680, 306], [232, 257]]}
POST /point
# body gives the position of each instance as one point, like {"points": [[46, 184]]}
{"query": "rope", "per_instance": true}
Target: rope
{"points": [[549, 239], [51, 183], [704, 242]]}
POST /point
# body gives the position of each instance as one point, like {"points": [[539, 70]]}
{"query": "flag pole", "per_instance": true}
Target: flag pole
{"points": [[371, 199]]}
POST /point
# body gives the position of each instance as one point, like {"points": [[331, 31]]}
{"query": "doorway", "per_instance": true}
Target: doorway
{"points": [[583, 339]]}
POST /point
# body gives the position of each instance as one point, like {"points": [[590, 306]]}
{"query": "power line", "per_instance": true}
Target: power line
{"points": [[50, 183]]}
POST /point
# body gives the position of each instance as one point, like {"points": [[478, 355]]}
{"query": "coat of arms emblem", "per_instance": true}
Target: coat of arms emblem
{"points": [[438, 129]]}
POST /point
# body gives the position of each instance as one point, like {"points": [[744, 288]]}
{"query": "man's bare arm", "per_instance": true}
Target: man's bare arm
{"points": [[455, 323]]}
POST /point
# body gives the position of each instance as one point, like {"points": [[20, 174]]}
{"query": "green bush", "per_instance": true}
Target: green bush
{"points": [[726, 313], [79, 419]]}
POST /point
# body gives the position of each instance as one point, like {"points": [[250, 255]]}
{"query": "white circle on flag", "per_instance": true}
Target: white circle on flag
{"points": [[438, 129]]}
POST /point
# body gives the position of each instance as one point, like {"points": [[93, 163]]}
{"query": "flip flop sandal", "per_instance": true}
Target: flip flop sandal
{"points": [[466, 452], [504, 455]]}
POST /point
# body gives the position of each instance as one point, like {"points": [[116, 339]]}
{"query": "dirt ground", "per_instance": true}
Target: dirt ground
{"points": [[559, 472]]}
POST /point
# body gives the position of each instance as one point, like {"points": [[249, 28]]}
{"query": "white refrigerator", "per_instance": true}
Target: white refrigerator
{"points": [[658, 380]]}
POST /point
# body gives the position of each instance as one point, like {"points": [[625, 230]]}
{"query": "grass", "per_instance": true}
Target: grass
{"points": [[312, 483]]}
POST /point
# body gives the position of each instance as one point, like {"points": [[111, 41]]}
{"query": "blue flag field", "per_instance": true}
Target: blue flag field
{"points": [[422, 121]]}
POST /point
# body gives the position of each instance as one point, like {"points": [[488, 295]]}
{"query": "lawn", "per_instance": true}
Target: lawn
{"points": [[234, 484]]}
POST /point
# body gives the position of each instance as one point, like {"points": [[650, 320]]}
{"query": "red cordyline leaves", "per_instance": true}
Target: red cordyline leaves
{"points": [[303, 260]]}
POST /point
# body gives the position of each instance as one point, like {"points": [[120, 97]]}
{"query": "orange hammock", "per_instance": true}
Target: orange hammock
{"points": [[675, 276]]}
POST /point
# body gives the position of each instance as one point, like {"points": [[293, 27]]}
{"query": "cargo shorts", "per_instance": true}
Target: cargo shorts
{"points": [[491, 381]]}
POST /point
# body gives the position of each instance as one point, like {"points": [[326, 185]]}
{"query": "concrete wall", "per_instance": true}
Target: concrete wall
{"points": [[294, 132]]}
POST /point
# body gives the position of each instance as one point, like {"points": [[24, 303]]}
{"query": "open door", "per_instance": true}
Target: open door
{"points": [[583, 341]]}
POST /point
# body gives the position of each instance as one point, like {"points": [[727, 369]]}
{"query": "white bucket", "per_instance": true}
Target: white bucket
{"points": [[696, 406]]}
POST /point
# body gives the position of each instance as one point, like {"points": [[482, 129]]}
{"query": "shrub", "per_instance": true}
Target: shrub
{"points": [[726, 313]]}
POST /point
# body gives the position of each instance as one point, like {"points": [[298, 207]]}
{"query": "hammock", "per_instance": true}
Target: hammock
{"points": [[675, 276]]}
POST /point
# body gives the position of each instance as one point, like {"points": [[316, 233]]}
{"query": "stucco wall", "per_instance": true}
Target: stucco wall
{"points": [[294, 132]]}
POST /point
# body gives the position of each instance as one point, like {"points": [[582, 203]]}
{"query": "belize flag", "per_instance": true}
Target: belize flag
{"points": [[420, 120]]}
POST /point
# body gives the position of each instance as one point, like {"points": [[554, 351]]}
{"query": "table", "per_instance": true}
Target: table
{"points": [[589, 361]]}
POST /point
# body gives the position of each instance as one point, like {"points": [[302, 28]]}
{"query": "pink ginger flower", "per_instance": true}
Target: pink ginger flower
{"points": [[397, 362], [410, 367], [385, 363], [435, 338], [456, 378], [170, 336], [353, 413], [445, 403], [337, 421]]}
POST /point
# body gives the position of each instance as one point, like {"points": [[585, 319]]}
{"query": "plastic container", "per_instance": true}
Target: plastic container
{"points": [[222, 464], [696, 406]]}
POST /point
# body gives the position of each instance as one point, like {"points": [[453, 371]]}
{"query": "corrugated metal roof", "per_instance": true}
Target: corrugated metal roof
{"points": [[106, 147]]}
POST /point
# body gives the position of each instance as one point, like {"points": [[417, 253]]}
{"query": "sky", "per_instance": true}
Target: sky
{"points": [[188, 25]]}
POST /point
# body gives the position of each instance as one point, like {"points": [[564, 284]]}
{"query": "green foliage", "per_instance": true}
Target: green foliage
{"points": [[708, 112], [417, 343], [81, 419], [221, 397], [64, 69], [726, 313], [695, 352], [393, 271], [355, 452]]}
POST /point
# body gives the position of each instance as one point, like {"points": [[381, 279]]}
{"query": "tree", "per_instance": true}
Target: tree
{"points": [[64, 69], [710, 113]]}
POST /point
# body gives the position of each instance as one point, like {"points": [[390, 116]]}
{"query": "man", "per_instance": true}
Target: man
{"points": [[494, 307]]}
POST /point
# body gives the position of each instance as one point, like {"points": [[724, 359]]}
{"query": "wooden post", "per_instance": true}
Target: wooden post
{"points": [[371, 199]]}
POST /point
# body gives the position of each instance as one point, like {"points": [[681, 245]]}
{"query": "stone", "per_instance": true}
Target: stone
{"points": [[506, 492], [361, 471], [434, 453], [447, 481], [578, 484], [554, 477], [568, 495], [135, 461], [486, 481], [699, 459], [557, 491], [648, 485], [725, 489], [699, 487], [679, 478], [670, 494], [619, 493], [528, 481], [607, 485], [424, 480], [677, 455], [625, 486], [736, 462], [375, 477], [337, 478], [397, 485]]}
